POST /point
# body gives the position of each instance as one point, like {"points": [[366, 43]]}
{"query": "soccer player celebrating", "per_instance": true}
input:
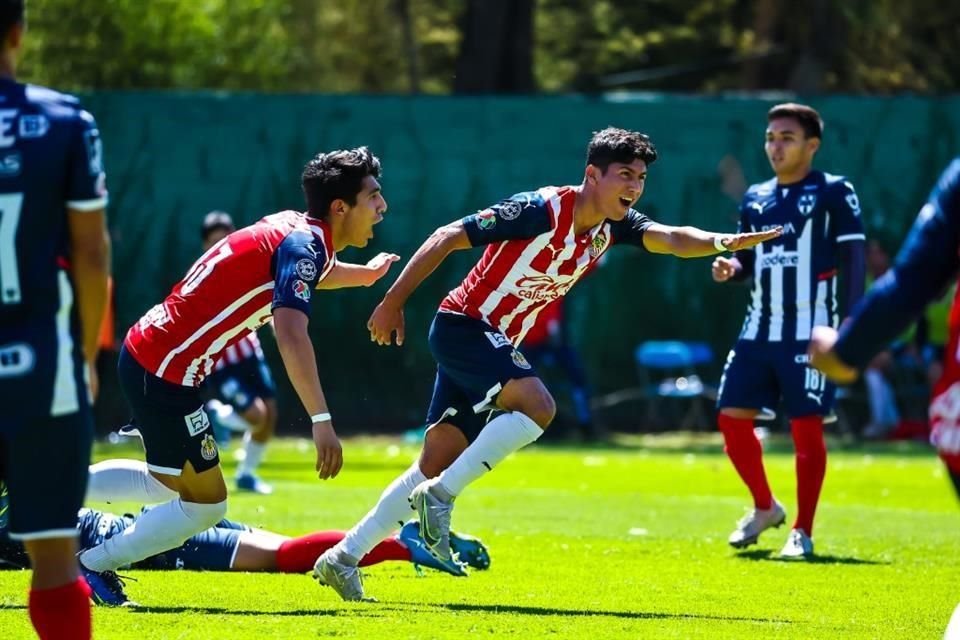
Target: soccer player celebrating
{"points": [[240, 386], [267, 270], [794, 288], [922, 272], [538, 244], [54, 264]]}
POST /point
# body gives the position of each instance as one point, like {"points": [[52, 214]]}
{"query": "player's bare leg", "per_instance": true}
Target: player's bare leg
{"points": [[746, 453], [528, 410]]}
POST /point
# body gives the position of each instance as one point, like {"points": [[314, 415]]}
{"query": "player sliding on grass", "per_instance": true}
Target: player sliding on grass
{"points": [[538, 244], [234, 546]]}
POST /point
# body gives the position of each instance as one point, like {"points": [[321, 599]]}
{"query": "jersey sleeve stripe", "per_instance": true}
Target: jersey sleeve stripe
{"points": [[87, 205], [851, 236]]}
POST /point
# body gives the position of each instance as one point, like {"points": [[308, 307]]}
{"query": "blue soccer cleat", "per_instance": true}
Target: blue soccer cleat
{"points": [[470, 550], [106, 588], [409, 535], [251, 483]]}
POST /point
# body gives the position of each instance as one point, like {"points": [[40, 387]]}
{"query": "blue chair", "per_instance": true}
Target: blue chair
{"points": [[669, 369]]}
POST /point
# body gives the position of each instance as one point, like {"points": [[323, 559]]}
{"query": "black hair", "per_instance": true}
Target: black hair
{"points": [[216, 220], [810, 121], [337, 175], [619, 145], [11, 13]]}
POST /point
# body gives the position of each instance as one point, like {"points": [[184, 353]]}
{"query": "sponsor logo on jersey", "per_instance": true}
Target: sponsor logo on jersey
{"points": [[302, 290], [806, 203], [306, 269], [544, 288], [487, 219], [156, 317], [208, 448], [519, 360], [34, 126], [16, 360], [852, 200], [599, 244], [510, 210], [785, 259], [760, 207], [497, 339], [197, 422]]}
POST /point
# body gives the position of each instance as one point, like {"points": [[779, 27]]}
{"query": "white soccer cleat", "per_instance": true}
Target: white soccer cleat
{"points": [[434, 516], [799, 546], [342, 578], [756, 522]]}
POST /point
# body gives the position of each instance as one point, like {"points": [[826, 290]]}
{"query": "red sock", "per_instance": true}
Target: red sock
{"points": [[61, 613], [746, 454], [299, 554], [811, 468]]}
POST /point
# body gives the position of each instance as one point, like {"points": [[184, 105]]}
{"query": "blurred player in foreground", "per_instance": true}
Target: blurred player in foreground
{"points": [[488, 401], [54, 264], [265, 271], [922, 272], [240, 387], [794, 288]]}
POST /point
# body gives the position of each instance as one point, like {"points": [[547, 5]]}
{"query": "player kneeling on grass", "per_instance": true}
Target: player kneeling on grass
{"points": [[488, 401], [235, 546]]}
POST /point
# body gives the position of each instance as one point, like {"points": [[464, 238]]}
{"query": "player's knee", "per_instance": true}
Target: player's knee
{"points": [[542, 410], [205, 516]]}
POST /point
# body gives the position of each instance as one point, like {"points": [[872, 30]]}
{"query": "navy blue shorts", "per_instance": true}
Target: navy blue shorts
{"points": [[170, 419], [46, 428], [238, 385], [474, 361], [758, 374]]}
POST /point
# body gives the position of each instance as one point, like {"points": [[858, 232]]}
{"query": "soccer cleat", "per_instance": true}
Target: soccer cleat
{"points": [[799, 546], [470, 550], [434, 516], [342, 578], [253, 484], [106, 588], [756, 522], [409, 535]]}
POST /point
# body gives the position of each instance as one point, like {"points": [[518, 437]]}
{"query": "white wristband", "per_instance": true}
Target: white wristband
{"points": [[718, 243], [320, 417]]}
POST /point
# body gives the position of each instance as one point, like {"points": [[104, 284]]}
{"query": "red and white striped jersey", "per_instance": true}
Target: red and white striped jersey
{"points": [[533, 257], [229, 292], [245, 348]]}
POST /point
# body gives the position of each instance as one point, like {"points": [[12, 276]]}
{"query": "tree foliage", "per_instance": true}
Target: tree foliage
{"points": [[361, 46]]}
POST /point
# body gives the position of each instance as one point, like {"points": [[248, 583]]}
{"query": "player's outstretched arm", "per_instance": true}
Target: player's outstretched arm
{"points": [[296, 350], [90, 267], [387, 318], [691, 242], [346, 274]]}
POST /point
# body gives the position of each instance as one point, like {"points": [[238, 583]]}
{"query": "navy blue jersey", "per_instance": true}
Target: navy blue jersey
{"points": [[50, 159], [795, 275], [926, 264]]}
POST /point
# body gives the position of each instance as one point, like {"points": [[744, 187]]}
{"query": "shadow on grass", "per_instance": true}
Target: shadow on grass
{"points": [[768, 556]]}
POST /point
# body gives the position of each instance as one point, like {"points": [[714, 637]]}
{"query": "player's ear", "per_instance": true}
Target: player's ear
{"points": [[592, 174], [813, 144], [338, 207]]}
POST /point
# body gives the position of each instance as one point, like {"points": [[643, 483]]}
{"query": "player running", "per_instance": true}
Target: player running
{"points": [[54, 264], [262, 272], [921, 274], [240, 387], [538, 245], [794, 288]]}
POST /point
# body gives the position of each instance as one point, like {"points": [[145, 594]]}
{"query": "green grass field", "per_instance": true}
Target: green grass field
{"points": [[618, 542]]}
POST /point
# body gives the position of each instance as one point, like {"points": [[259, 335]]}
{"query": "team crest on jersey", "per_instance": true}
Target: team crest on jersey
{"points": [[599, 244], [519, 360], [302, 290], [34, 126], [487, 219], [806, 203], [306, 269], [208, 447], [510, 210], [853, 202]]}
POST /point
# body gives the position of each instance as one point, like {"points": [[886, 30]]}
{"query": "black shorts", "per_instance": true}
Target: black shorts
{"points": [[45, 467], [170, 419]]}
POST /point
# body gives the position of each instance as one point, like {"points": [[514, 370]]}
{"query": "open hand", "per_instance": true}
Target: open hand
{"points": [[738, 241], [380, 264]]}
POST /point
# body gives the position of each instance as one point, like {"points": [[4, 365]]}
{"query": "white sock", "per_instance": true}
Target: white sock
{"points": [[160, 529], [253, 455], [227, 417], [502, 436], [390, 511], [126, 481]]}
